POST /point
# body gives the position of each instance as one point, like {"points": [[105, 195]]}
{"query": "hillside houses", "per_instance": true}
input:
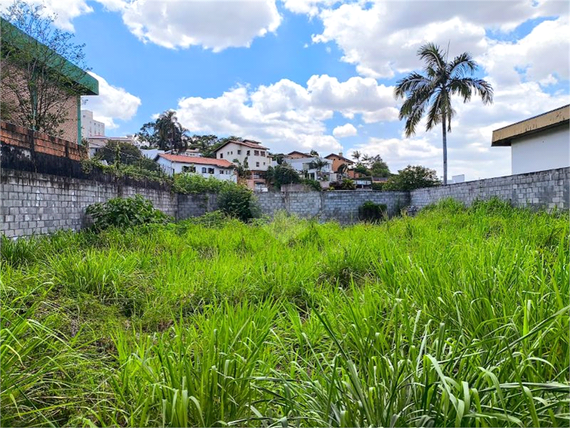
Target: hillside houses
{"points": [[251, 155], [220, 169]]}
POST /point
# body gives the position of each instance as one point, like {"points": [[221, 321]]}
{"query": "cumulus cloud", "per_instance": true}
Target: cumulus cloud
{"points": [[381, 40], [346, 130], [112, 103], [286, 115], [216, 25], [65, 10]]}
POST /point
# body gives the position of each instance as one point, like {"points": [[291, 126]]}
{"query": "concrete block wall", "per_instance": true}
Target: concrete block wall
{"points": [[35, 204], [195, 205], [541, 190], [338, 205]]}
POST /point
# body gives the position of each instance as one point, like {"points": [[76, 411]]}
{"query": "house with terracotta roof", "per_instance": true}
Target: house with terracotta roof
{"points": [[206, 167], [338, 161], [250, 154], [539, 143]]}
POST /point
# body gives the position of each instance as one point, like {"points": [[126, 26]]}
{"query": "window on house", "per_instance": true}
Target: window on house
{"points": [[188, 168], [239, 152], [263, 163], [257, 164], [203, 170], [248, 152], [210, 170], [262, 153], [221, 155], [256, 153]]}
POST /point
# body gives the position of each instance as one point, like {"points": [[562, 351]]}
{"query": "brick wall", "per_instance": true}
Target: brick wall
{"points": [[544, 189], [33, 204], [32, 141]]}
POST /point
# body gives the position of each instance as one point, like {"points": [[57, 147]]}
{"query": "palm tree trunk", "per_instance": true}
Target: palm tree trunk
{"points": [[444, 129]]}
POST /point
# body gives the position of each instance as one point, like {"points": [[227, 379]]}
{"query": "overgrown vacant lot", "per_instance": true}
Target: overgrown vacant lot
{"points": [[453, 318]]}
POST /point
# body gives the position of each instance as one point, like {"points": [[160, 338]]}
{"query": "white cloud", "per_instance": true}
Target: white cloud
{"points": [[216, 25], [66, 10], [112, 103], [346, 130], [382, 39], [286, 115]]}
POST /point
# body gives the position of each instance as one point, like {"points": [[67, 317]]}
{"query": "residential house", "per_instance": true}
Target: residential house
{"points": [[206, 167], [250, 154], [297, 155], [306, 168], [539, 143], [338, 161], [96, 143], [70, 81]]}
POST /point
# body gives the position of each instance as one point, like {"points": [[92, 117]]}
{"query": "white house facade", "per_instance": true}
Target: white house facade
{"points": [[250, 154], [303, 167], [539, 143], [206, 167]]}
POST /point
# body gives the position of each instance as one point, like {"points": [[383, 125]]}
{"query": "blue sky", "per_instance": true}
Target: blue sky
{"points": [[319, 74]]}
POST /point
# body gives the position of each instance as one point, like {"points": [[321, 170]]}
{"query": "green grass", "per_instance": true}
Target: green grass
{"points": [[457, 317]]}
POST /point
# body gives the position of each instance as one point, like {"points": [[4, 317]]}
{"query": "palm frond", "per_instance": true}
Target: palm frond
{"points": [[432, 55], [410, 83], [465, 87], [461, 65]]}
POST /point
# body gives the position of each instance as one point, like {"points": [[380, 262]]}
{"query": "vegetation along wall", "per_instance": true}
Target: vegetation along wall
{"points": [[37, 203]]}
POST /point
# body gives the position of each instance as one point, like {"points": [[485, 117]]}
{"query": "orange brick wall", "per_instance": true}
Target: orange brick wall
{"points": [[18, 136]]}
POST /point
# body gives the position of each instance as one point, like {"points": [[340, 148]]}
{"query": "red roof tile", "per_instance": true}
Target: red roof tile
{"points": [[222, 163]]}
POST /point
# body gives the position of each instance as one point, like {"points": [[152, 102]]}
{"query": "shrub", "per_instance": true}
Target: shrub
{"points": [[125, 213], [194, 183], [345, 184], [239, 202], [378, 186], [369, 211], [142, 170], [412, 177], [312, 184], [282, 174]]}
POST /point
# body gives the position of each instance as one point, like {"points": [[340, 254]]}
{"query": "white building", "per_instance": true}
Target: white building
{"points": [[539, 143], [89, 126], [206, 167], [98, 142], [250, 154], [304, 166]]}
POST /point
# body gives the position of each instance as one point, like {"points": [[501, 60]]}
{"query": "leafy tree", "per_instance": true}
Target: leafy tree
{"points": [[433, 90], [35, 93], [356, 155], [412, 177], [242, 170], [148, 135]]}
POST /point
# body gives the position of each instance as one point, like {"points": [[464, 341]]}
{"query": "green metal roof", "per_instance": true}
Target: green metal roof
{"points": [[82, 82]]}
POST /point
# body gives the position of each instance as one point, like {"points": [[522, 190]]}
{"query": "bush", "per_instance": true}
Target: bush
{"points": [[239, 202], [369, 211], [378, 186], [194, 183], [312, 184], [345, 184], [125, 213], [412, 177], [282, 174]]}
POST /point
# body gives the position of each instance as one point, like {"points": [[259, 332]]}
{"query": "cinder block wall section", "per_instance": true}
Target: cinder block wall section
{"points": [[541, 190], [34, 204], [339, 205]]}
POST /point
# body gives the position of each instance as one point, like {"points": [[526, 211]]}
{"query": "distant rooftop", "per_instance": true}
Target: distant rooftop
{"points": [[246, 143], [557, 117], [222, 163]]}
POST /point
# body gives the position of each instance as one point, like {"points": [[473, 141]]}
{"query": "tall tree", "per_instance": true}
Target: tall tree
{"points": [[171, 134], [432, 91], [39, 72]]}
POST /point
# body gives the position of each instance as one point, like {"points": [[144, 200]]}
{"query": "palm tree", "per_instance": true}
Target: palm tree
{"points": [[356, 155], [433, 90], [171, 134]]}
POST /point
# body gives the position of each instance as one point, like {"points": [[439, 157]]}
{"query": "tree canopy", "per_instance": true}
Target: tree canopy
{"points": [[433, 90]]}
